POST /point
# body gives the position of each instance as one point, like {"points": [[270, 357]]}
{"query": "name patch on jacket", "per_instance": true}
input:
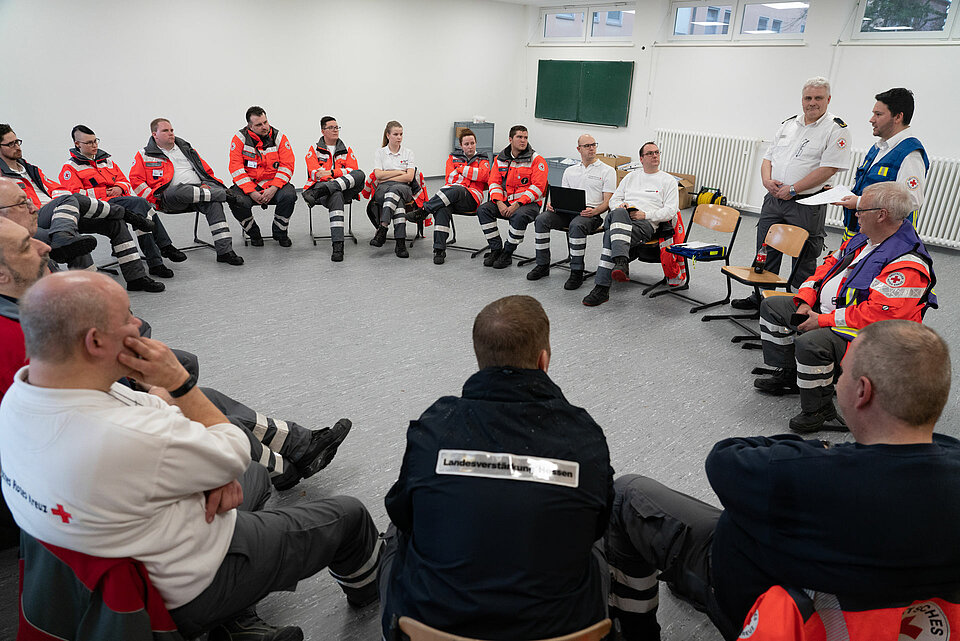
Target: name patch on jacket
{"points": [[509, 467]]}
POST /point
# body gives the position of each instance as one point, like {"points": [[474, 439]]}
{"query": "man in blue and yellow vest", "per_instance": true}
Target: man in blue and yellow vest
{"points": [[882, 273], [897, 156]]}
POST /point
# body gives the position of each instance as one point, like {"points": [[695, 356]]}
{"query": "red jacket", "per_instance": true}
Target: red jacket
{"points": [[777, 616], [152, 170], [318, 158], [13, 352], [266, 162], [92, 177], [37, 180], [897, 292], [418, 187], [471, 174], [522, 179]]}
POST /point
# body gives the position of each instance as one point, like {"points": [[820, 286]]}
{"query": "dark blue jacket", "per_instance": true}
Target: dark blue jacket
{"points": [[497, 546]]}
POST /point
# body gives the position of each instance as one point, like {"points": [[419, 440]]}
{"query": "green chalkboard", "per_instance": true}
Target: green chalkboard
{"points": [[594, 92]]}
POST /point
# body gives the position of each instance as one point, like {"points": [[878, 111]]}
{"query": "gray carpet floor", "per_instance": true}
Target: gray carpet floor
{"points": [[377, 339]]}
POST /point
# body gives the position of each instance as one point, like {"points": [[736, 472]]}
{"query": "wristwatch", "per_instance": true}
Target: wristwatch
{"points": [[188, 385], [793, 192]]}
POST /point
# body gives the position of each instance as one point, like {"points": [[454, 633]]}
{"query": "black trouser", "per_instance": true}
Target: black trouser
{"points": [[659, 534], [449, 200], [272, 550], [208, 200], [334, 194], [285, 200]]}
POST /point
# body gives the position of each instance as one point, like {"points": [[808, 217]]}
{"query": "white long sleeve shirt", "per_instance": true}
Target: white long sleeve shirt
{"points": [[656, 195]]}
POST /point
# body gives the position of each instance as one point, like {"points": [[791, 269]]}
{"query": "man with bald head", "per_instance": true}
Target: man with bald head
{"points": [[599, 181], [870, 522], [175, 468]]}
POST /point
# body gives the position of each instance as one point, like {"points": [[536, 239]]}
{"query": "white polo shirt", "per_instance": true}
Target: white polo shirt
{"points": [[183, 172], [798, 149], [386, 159], [595, 179]]}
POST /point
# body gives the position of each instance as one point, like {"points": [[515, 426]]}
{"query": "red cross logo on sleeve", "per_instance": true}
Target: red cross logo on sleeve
{"points": [[913, 183], [841, 143], [62, 513]]}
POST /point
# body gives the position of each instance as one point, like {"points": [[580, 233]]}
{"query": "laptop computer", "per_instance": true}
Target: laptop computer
{"points": [[568, 201]]}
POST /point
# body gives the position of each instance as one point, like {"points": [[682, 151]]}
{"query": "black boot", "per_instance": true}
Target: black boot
{"points": [[380, 238], [401, 249], [337, 255]]}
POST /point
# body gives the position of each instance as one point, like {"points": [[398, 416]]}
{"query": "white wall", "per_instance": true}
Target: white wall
{"points": [[116, 64], [748, 90]]}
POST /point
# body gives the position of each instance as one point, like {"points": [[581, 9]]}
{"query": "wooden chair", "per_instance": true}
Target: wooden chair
{"points": [[419, 632], [721, 219], [788, 240], [348, 233]]}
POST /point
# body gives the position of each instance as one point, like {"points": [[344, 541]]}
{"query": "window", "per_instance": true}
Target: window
{"points": [[702, 20], [905, 19], [606, 24], [780, 20]]}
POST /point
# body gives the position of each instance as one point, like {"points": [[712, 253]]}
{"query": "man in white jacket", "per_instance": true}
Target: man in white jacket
{"points": [[642, 201]]}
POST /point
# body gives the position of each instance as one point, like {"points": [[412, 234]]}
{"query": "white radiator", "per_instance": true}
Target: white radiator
{"points": [[726, 162]]}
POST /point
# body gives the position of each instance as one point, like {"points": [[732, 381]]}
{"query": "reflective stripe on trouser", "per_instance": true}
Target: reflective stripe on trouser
{"points": [[620, 234], [334, 204], [208, 201], [284, 438], [777, 335], [578, 228], [64, 213], [809, 217], [489, 212], [818, 354], [349, 182], [657, 534], [391, 197], [285, 200], [273, 549], [123, 248], [449, 200], [150, 242]]}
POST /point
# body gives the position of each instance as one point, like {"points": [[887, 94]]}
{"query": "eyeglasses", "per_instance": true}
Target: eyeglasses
{"points": [[871, 209], [651, 153], [12, 143], [332, 128], [89, 142], [589, 145], [22, 203]]}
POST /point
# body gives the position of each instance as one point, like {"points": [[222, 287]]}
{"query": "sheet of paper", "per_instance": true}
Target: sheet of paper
{"points": [[826, 197], [569, 161], [695, 244]]}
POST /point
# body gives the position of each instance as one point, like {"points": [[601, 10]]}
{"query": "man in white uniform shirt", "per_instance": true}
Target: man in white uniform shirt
{"points": [[598, 180], [170, 173], [809, 148], [642, 201], [111, 472], [896, 156]]}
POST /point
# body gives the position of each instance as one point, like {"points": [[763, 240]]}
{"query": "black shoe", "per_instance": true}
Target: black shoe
{"points": [[439, 256], [310, 197], [234, 197], [249, 627], [491, 258], [750, 303], [137, 221], [65, 248], [538, 272], [380, 238], [783, 382], [161, 271], [416, 216], [283, 240], [230, 258], [810, 422], [401, 249], [621, 269], [173, 254], [504, 260], [337, 255], [598, 296], [574, 280], [323, 447], [256, 238], [145, 284]]}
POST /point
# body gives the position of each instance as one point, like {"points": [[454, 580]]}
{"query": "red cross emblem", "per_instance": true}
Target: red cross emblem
{"points": [[62, 513], [912, 182], [896, 279], [841, 143]]}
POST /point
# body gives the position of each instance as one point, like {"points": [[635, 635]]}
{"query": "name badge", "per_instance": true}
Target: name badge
{"points": [[157, 173], [252, 163], [508, 467]]}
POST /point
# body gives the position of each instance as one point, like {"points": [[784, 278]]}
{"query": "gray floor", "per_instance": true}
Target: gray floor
{"points": [[377, 339]]}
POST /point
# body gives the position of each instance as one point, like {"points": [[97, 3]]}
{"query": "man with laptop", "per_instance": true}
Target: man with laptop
{"points": [[577, 205]]}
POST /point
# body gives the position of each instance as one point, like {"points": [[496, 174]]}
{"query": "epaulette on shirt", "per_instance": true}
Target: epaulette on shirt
{"points": [[789, 119], [840, 122]]}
